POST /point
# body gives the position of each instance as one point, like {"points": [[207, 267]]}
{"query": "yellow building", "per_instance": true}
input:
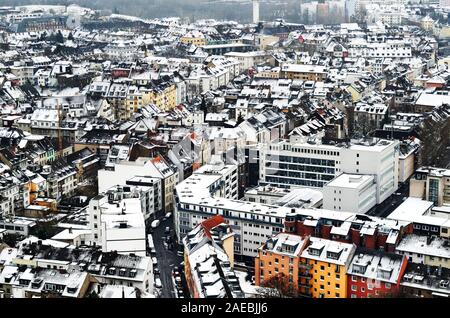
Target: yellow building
{"points": [[194, 37], [136, 99], [427, 23], [304, 72], [324, 266], [280, 256], [165, 97], [356, 91]]}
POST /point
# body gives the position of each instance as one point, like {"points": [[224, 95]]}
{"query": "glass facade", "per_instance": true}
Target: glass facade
{"points": [[433, 191], [299, 171]]}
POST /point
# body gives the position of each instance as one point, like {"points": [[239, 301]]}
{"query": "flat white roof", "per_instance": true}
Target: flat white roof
{"points": [[415, 210], [351, 181]]}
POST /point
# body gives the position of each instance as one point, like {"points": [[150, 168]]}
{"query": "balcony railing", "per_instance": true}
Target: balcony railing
{"points": [[301, 285], [305, 266]]}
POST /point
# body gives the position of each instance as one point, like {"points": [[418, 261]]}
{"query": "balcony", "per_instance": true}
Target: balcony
{"points": [[305, 275], [304, 266]]}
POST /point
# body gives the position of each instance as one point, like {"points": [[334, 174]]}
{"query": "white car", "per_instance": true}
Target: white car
{"points": [[155, 223], [158, 283], [168, 215], [155, 261]]}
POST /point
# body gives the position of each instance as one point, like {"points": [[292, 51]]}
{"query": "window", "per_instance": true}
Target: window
{"points": [[387, 285], [354, 278], [354, 288]]}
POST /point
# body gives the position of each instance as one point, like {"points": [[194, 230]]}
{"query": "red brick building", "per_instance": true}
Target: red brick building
{"points": [[361, 230], [375, 274]]}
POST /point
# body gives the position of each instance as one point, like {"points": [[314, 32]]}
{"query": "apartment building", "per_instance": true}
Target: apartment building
{"points": [[304, 72], [371, 116], [324, 267], [425, 218], [157, 167], [424, 281], [431, 184], [360, 230], [248, 60], [213, 190], [149, 196], [425, 250], [375, 274], [280, 256], [106, 268], [194, 37], [117, 225], [209, 260], [393, 49]]}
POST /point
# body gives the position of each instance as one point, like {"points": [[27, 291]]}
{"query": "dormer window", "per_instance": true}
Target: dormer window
{"points": [[314, 251], [359, 269], [384, 273], [333, 255]]}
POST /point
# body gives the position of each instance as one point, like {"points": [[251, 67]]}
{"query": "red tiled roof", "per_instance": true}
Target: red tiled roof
{"points": [[211, 223]]}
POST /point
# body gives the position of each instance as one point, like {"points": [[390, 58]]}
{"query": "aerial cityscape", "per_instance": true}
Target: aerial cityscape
{"points": [[219, 149]]}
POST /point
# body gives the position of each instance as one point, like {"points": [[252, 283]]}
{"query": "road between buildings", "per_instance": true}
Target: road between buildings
{"points": [[167, 259]]}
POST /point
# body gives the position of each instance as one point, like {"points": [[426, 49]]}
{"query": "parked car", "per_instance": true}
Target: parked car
{"points": [[155, 223], [167, 230], [158, 283], [168, 215], [155, 261]]}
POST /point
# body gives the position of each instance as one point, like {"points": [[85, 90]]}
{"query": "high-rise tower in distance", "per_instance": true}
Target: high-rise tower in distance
{"points": [[256, 11]]}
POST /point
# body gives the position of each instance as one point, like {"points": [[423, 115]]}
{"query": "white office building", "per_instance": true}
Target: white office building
{"points": [[306, 162], [118, 225], [212, 191], [350, 193]]}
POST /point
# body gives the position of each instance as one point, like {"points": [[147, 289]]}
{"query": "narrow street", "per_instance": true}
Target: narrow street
{"points": [[391, 203], [167, 259]]}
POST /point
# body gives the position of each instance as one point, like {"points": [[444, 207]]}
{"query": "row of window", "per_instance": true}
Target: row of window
{"points": [[300, 175], [302, 182]]}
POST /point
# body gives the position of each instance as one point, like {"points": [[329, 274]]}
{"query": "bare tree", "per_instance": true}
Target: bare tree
{"points": [[277, 286]]}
